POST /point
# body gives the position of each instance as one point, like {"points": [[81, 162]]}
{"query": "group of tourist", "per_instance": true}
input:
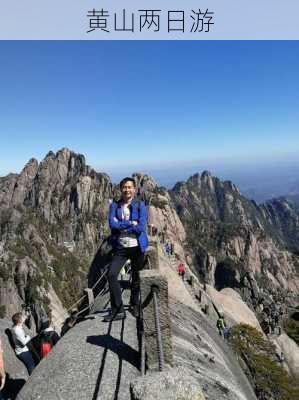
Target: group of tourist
{"points": [[28, 350], [271, 318], [31, 350]]}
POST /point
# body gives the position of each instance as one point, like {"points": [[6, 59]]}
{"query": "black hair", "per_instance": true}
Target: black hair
{"points": [[125, 180]]}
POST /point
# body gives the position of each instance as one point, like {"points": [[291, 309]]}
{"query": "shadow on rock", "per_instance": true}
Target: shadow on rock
{"points": [[122, 350], [102, 258], [12, 387]]}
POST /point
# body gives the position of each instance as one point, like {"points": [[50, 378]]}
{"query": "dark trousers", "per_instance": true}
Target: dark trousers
{"points": [[118, 261], [27, 359]]}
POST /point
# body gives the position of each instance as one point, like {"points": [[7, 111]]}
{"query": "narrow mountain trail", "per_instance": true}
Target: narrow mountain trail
{"points": [[93, 361], [98, 361]]}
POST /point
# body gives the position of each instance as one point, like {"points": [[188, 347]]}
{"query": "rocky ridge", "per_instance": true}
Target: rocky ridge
{"points": [[234, 242], [52, 216]]}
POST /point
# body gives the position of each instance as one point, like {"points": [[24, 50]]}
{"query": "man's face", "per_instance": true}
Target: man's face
{"points": [[128, 191]]}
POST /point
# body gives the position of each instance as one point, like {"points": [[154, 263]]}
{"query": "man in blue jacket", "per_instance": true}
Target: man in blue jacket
{"points": [[127, 221]]}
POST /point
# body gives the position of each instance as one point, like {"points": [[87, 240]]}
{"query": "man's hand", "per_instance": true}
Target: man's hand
{"points": [[115, 219], [2, 378], [134, 223]]}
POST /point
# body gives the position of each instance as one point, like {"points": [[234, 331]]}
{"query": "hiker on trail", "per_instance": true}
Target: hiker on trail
{"points": [[167, 249], [128, 222], [265, 324], [47, 338], [171, 248], [181, 270], [21, 340], [276, 317], [2, 371], [226, 333], [221, 325], [272, 326]]}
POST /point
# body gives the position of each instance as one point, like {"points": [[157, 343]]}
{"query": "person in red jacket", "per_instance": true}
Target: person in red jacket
{"points": [[47, 338], [181, 270]]}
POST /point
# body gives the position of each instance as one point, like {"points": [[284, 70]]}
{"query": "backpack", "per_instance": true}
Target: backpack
{"points": [[45, 349]]}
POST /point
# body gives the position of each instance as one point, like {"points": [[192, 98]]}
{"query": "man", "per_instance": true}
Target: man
{"points": [[181, 270], [127, 221], [221, 325]]}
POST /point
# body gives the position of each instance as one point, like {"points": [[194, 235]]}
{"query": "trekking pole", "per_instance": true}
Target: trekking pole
{"points": [[155, 291]]}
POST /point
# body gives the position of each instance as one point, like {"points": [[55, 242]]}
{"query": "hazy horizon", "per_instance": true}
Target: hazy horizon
{"points": [[260, 180]]}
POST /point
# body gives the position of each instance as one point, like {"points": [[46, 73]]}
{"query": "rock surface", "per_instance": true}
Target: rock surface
{"points": [[52, 216], [235, 243], [233, 307], [290, 352], [94, 360], [197, 345], [210, 361], [173, 384]]}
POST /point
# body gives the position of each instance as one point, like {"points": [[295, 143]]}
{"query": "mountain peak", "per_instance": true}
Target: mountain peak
{"points": [[206, 174]]}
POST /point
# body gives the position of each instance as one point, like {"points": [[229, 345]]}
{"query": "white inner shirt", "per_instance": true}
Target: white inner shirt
{"points": [[127, 239], [20, 339]]}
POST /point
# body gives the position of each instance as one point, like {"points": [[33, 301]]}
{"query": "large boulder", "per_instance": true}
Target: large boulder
{"points": [[235, 310], [290, 353]]}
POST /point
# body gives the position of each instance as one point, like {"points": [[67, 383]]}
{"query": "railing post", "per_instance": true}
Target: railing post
{"points": [[90, 297], [148, 280]]}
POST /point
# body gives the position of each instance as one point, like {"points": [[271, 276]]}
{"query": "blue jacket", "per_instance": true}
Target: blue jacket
{"points": [[140, 217]]}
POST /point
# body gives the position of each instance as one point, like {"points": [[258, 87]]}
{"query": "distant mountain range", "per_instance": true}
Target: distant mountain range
{"points": [[257, 182]]}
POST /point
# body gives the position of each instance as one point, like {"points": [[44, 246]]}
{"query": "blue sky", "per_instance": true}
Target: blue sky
{"points": [[150, 105]]}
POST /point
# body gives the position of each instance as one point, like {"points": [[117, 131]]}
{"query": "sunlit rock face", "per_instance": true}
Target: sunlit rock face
{"points": [[236, 243], [52, 217]]}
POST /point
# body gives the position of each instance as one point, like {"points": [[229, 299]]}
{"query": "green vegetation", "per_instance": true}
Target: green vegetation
{"points": [[64, 279], [158, 203], [4, 272], [160, 190], [257, 356], [68, 276], [5, 216]]}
